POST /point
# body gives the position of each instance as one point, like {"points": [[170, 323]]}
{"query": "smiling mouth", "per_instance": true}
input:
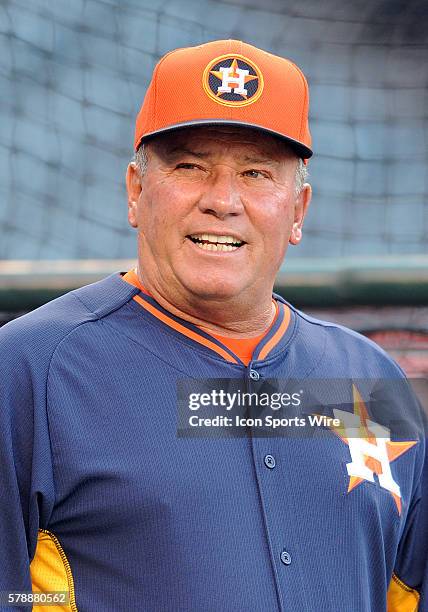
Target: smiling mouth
{"points": [[210, 242]]}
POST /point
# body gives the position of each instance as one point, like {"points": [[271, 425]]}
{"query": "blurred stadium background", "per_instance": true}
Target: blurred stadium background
{"points": [[72, 78]]}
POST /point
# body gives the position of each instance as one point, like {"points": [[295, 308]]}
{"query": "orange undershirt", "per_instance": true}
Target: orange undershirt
{"points": [[242, 347]]}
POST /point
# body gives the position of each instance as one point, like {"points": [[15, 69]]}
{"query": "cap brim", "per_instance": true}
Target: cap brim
{"points": [[300, 149]]}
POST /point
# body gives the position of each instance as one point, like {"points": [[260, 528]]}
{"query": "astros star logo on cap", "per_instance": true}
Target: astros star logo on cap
{"points": [[232, 80]]}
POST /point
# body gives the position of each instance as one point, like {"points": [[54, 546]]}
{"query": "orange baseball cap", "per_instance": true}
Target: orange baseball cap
{"points": [[227, 82]]}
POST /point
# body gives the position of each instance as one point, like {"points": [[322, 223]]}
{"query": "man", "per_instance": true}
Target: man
{"points": [[102, 497]]}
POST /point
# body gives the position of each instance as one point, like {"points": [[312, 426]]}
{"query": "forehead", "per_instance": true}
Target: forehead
{"points": [[210, 140]]}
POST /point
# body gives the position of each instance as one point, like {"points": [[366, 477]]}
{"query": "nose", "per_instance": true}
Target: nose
{"points": [[221, 196]]}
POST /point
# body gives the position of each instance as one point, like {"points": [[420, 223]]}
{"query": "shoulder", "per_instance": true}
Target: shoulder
{"points": [[345, 350], [36, 335]]}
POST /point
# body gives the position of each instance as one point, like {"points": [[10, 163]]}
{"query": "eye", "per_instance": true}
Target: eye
{"points": [[253, 173], [188, 166]]}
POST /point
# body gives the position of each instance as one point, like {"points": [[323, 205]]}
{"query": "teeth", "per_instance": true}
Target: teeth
{"points": [[216, 239], [216, 247]]}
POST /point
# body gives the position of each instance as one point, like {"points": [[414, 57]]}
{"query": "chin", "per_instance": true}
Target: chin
{"points": [[213, 288]]}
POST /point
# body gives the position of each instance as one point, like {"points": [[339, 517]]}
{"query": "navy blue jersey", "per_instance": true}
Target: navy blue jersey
{"points": [[102, 498]]}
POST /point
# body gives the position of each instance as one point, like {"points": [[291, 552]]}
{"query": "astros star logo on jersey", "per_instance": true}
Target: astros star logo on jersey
{"points": [[232, 80], [371, 448]]}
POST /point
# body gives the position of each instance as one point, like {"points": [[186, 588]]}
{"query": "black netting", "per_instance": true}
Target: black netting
{"points": [[73, 75]]}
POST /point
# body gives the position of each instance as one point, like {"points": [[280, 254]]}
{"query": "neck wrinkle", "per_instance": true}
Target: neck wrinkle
{"points": [[208, 327]]}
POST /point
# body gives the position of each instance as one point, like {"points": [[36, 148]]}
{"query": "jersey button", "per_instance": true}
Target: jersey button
{"points": [[270, 461], [254, 375], [285, 557]]}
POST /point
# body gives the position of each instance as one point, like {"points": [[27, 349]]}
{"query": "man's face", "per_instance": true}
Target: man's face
{"points": [[215, 211]]}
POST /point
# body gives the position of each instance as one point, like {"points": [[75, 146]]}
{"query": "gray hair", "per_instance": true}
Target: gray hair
{"points": [[301, 175], [141, 161]]}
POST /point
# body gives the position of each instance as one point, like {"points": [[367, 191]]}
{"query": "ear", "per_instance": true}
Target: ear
{"points": [[133, 187], [300, 210]]}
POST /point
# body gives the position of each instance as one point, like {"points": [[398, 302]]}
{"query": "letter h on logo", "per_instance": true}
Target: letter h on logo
{"points": [[228, 78]]}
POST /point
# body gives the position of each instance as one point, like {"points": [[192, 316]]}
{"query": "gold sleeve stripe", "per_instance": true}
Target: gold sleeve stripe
{"points": [[50, 571], [401, 598]]}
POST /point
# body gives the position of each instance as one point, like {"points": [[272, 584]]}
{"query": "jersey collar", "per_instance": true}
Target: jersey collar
{"points": [[272, 343]]}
